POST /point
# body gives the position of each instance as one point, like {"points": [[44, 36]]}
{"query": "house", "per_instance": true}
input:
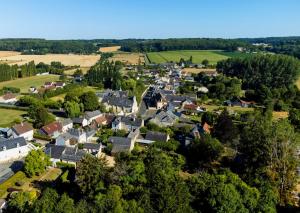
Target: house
{"points": [[157, 136], [64, 154], [66, 139], [80, 121], [23, 129], [6, 133], [164, 118], [8, 98], [121, 144], [66, 124], [152, 137], [33, 90], [90, 116], [200, 130], [60, 84], [49, 85], [119, 102], [13, 149], [93, 148], [203, 89], [82, 136], [52, 130], [127, 123], [239, 102]]}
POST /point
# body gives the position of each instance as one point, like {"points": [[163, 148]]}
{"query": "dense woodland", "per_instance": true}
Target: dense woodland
{"points": [[266, 78]]}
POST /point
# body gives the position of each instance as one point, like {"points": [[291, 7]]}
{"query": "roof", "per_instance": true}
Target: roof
{"points": [[130, 121], [66, 122], [78, 120], [59, 84], [64, 153], [48, 83], [8, 96], [92, 114], [91, 146], [120, 144], [156, 136], [12, 143], [54, 151], [190, 107], [76, 132], [22, 128], [118, 98], [52, 127]]}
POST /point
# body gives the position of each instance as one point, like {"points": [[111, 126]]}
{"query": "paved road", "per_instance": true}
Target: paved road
{"points": [[9, 169]]}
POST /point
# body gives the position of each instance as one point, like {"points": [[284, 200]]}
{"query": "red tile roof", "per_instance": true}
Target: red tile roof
{"points": [[190, 106], [52, 127], [8, 96]]}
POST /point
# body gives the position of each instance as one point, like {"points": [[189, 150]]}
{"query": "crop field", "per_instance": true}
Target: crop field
{"points": [[129, 58], [109, 49], [67, 59], [213, 56], [9, 115], [25, 83]]}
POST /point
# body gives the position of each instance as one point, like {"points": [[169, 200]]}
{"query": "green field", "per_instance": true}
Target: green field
{"points": [[213, 56], [25, 83], [9, 115]]}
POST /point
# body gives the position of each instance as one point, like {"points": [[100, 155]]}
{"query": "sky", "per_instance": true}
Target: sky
{"points": [[118, 19]]}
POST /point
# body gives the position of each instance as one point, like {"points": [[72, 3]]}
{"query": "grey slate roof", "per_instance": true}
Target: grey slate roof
{"points": [[156, 136], [54, 151], [91, 114], [94, 146], [120, 144], [118, 98], [129, 121], [12, 143]]}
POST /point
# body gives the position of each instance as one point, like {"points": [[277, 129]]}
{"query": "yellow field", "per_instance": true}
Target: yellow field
{"points": [[66, 59], [280, 115], [129, 58], [109, 49], [196, 70]]}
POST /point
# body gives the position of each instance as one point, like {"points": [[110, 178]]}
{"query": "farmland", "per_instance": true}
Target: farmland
{"points": [[66, 59], [109, 49], [9, 115], [25, 83], [129, 58], [213, 56]]}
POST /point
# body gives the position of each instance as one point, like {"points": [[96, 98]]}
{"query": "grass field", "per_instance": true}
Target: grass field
{"points": [[129, 58], [67, 59], [213, 56], [9, 115], [25, 83], [109, 49]]}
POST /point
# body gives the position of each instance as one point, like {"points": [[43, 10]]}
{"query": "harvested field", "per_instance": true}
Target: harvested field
{"points": [[280, 115], [8, 53], [129, 58], [109, 49], [66, 59], [196, 70]]}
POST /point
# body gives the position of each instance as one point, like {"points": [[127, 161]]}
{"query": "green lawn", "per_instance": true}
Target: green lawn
{"points": [[50, 175], [9, 115], [213, 56], [25, 83]]}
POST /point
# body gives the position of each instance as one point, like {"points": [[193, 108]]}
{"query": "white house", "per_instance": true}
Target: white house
{"points": [[8, 98], [91, 116], [13, 149], [66, 124], [23, 130]]}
